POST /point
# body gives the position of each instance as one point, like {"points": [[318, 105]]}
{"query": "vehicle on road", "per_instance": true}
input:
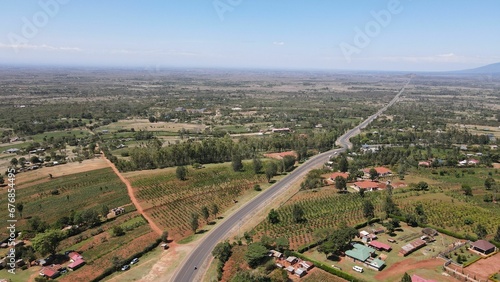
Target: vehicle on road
{"points": [[134, 261], [357, 268], [125, 267]]}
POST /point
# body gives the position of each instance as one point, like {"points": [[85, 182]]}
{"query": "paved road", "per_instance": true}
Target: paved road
{"points": [[200, 256]]}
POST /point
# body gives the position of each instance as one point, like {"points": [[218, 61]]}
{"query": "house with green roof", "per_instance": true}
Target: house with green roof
{"points": [[365, 255], [360, 252]]}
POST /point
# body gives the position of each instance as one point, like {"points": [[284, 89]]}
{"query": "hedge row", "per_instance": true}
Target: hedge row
{"points": [[329, 269], [111, 270]]}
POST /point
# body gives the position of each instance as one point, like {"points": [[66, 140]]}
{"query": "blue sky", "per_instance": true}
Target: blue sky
{"points": [[412, 35]]}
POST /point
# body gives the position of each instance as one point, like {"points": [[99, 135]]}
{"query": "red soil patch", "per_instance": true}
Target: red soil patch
{"points": [[397, 270], [483, 268]]}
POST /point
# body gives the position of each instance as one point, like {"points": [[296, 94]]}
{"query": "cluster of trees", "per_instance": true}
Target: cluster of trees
{"points": [[205, 212], [215, 150], [313, 180], [338, 240]]}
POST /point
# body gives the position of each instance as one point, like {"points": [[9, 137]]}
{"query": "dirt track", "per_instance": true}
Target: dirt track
{"points": [[134, 200], [397, 270]]}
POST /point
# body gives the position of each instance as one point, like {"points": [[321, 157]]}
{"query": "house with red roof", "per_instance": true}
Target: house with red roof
{"points": [[380, 246], [341, 174], [366, 185], [76, 261], [76, 264], [51, 272], [382, 171]]}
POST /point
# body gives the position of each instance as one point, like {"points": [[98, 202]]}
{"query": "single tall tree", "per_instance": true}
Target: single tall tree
{"points": [[368, 210], [181, 173], [343, 163], [340, 183], [236, 163], [215, 210], [273, 217], [205, 213], [20, 207], [194, 222], [257, 165], [297, 214], [373, 174], [271, 170]]}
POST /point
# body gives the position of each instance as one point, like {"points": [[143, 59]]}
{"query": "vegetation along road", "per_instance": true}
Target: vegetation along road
{"points": [[195, 263]]}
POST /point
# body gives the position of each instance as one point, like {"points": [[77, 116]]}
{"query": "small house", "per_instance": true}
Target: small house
{"points": [[430, 232], [366, 185], [291, 259], [484, 247], [306, 265], [76, 264], [290, 269], [300, 272], [49, 272], [380, 246]]}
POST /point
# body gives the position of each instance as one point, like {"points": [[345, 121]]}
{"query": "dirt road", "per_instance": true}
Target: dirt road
{"points": [[133, 198]]}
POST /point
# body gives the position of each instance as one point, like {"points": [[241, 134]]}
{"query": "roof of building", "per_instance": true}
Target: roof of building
{"points": [[300, 271], [380, 245], [360, 252], [47, 272], [306, 264], [483, 245], [366, 184], [377, 263], [408, 248], [291, 258], [74, 256], [76, 263], [342, 174], [380, 170], [429, 231]]}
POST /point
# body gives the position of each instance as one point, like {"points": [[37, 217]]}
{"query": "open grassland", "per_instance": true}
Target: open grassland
{"points": [[77, 192], [170, 202]]}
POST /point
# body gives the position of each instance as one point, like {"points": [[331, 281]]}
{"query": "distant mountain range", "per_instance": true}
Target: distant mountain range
{"points": [[488, 69]]}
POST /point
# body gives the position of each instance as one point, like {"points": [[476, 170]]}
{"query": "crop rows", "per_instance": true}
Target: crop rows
{"points": [[439, 214], [170, 202], [322, 210]]}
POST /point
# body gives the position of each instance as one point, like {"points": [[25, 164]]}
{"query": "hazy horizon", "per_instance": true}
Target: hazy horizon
{"points": [[387, 35]]}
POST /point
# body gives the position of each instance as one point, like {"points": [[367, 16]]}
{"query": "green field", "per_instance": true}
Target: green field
{"points": [[323, 209], [170, 201], [77, 192]]}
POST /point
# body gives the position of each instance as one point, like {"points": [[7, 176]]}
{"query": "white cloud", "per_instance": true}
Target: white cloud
{"points": [[38, 47], [279, 43]]}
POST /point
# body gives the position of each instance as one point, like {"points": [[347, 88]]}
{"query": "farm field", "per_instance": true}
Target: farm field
{"points": [[170, 201], [323, 209], [446, 195], [54, 198], [98, 246]]}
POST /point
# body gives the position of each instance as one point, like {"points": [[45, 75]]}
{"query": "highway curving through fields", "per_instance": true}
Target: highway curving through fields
{"points": [[194, 265]]}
